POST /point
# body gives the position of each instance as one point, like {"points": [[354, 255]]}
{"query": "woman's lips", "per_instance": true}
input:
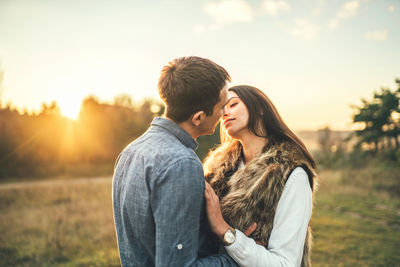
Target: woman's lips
{"points": [[227, 122]]}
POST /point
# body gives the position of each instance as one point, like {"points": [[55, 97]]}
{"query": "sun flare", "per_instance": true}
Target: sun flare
{"points": [[70, 109]]}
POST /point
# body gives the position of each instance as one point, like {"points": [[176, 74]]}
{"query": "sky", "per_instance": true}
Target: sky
{"points": [[314, 59]]}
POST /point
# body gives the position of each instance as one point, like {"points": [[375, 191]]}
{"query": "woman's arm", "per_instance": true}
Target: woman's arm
{"points": [[285, 246]]}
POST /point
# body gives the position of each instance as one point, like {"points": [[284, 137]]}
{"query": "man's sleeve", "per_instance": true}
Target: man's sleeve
{"points": [[176, 200]]}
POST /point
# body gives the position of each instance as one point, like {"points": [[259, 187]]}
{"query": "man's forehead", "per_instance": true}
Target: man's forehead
{"points": [[224, 94]]}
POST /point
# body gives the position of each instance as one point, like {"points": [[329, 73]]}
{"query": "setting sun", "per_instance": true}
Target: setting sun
{"points": [[70, 108]]}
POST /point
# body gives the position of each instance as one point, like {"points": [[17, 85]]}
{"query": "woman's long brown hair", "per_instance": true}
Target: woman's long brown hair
{"points": [[265, 121]]}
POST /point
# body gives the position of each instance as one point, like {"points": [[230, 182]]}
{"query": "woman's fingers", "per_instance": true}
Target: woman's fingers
{"points": [[251, 229], [261, 244]]}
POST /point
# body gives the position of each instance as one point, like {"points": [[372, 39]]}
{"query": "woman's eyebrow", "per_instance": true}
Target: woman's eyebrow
{"points": [[233, 97]]}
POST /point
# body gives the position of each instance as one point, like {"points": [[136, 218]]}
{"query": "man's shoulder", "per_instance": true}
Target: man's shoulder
{"points": [[161, 148]]}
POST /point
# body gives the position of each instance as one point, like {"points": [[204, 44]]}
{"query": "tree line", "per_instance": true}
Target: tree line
{"points": [[46, 143], [376, 139]]}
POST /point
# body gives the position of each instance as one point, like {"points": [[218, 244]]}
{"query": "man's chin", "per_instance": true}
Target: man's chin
{"points": [[211, 132]]}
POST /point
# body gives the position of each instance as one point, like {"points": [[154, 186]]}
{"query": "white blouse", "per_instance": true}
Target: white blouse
{"points": [[285, 246]]}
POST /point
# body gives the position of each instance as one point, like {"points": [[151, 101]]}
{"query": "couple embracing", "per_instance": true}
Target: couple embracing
{"points": [[249, 204]]}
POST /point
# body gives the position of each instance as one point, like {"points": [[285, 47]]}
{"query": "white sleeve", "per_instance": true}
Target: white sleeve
{"points": [[285, 246]]}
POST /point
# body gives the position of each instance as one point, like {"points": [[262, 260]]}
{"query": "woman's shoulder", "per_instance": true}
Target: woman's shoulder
{"points": [[299, 178], [298, 173], [283, 152]]}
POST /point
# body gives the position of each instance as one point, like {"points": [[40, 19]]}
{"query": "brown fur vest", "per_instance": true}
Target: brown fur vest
{"points": [[252, 194]]}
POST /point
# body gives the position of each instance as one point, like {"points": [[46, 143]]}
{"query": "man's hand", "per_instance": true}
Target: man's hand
{"points": [[217, 222]]}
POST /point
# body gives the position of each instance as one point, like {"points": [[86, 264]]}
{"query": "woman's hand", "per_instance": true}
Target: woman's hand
{"points": [[217, 222]]}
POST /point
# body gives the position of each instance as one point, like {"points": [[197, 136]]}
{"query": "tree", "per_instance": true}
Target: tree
{"points": [[381, 119], [123, 100], [325, 139]]}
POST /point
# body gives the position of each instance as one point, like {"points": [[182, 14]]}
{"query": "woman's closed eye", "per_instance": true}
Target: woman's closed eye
{"points": [[231, 103]]}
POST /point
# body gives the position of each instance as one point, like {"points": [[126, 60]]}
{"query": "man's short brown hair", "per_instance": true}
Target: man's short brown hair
{"points": [[191, 84]]}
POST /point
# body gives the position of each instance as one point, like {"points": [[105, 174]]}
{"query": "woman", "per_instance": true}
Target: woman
{"points": [[264, 179]]}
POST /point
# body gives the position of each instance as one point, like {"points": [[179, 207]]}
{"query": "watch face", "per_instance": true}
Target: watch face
{"points": [[230, 237]]}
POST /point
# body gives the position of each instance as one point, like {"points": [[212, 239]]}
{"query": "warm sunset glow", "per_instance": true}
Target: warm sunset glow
{"points": [[70, 108], [312, 59]]}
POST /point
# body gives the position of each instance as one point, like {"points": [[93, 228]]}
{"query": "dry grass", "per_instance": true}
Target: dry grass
{"points": [[58, 224], [71, 224]]}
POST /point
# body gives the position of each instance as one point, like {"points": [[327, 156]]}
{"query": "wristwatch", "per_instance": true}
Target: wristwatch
{"points": [[229, 237]]}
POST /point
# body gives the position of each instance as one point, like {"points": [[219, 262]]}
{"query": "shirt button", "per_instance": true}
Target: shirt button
{"points": [[179, 246]]}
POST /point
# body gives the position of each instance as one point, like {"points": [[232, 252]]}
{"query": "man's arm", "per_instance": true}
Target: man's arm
{"points": [[176, 200]]}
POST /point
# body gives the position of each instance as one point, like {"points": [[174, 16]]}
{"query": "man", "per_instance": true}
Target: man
{"points": [[158, 183]]}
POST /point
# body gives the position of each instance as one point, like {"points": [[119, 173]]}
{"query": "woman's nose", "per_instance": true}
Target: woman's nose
{"points": [[225, 112]]}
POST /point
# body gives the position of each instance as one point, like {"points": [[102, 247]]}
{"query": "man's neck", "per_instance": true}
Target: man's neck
{"points": [[185, 126]]}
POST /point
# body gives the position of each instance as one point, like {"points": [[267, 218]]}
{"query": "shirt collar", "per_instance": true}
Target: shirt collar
{"points": [[176, 130]]}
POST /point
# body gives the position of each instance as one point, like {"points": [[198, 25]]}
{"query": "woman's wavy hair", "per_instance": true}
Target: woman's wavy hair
{"points": [[264, 121]]}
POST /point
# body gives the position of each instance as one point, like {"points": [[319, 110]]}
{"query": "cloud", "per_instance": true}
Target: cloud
{"points": [[229, 11], [347, 10], [377, 35], [199, 28], [319, 9], [273, 7], [333, 23], [305, 29], [391, 8]]}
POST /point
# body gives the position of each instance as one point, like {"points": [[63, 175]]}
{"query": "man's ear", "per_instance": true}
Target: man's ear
{"points": [[197, 118]]}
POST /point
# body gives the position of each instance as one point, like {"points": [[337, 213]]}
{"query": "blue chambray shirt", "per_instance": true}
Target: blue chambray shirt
{"points": [[158, 201]]}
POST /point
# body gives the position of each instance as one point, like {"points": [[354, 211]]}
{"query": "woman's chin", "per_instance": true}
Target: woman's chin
{"points": [[231, 133]]}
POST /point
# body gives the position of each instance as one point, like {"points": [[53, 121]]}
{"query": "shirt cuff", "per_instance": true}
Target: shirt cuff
{"points": [[239, 249]]}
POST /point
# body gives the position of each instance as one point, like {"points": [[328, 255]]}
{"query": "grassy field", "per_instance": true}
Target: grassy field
{"points": [[70, 224], [355, 224]]}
